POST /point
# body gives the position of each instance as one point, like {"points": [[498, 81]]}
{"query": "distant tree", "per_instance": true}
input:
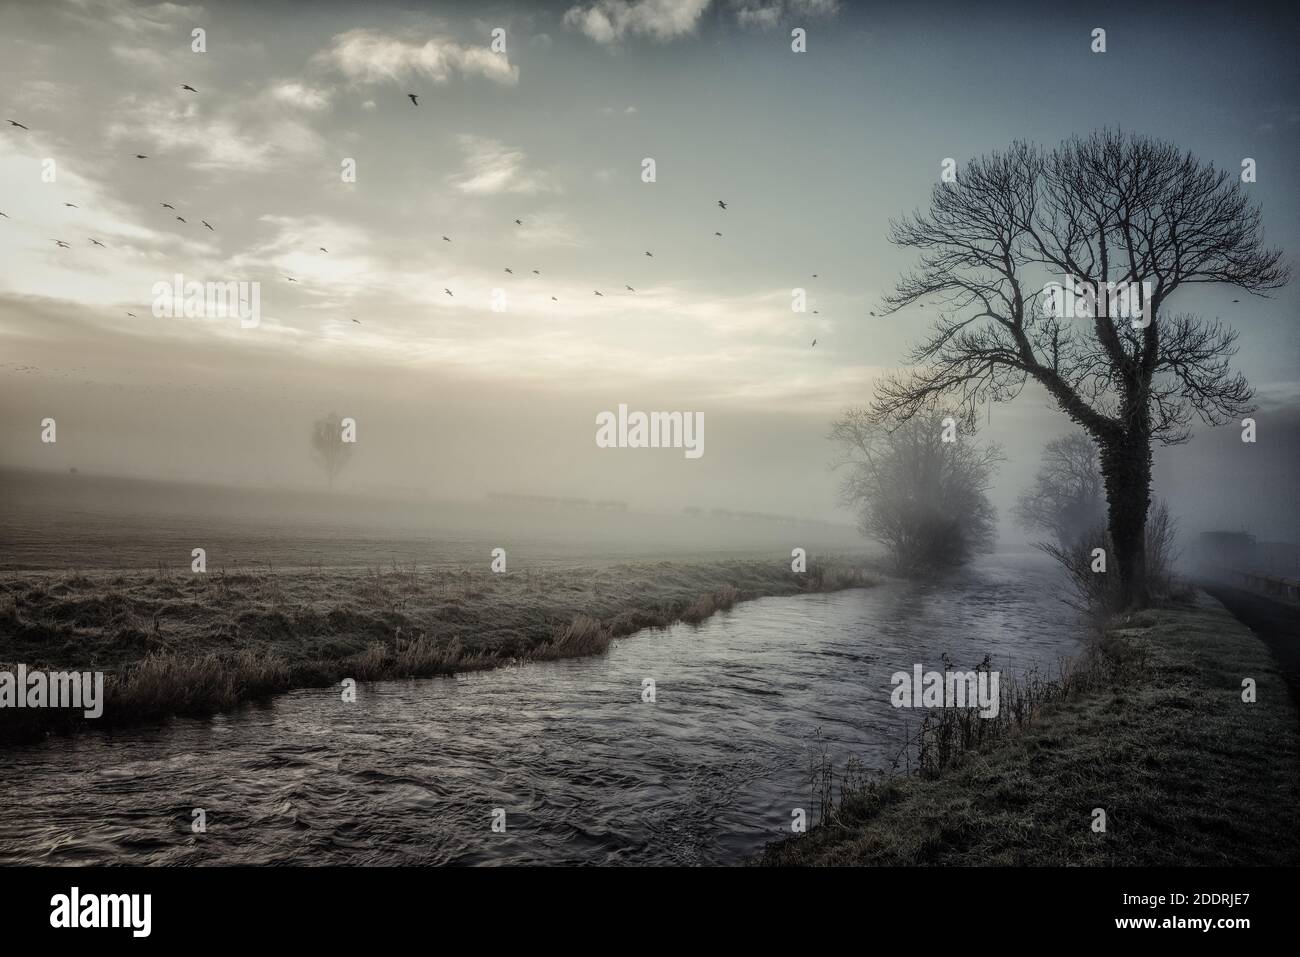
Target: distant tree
{"points": [[1068, 497], [328, 449], [1106, 208], [1100, 591], [923, 498], [1068, 500]]}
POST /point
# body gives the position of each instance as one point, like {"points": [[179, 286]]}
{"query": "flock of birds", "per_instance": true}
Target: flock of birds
{"points": [[140, 156], [414, 98]]}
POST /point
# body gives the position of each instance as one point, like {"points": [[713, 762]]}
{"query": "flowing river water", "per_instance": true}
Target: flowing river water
{"points": [[584, 769]]}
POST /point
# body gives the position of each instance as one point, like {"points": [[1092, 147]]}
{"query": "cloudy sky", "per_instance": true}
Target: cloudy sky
{"points": [[813, 152]]}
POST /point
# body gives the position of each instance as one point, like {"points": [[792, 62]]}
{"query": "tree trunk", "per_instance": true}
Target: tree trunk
{"points": [[1126, 466]]}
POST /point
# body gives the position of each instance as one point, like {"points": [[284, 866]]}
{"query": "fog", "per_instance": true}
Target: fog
{"points": [[196, 411]]}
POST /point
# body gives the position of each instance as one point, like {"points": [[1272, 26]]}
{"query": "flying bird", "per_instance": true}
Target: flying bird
{"points": [[322, 249], [599, 294], [133, 315], [717, 234], [650, 254], [73, 205], [537, 272], [448, 292], [60, 242], [509, 270], [5, 215], [722, 204], [19, 125], [290, 278], [814, 345], [814, 275], [186, 86], [207, 224], [445, 239], [182, 219], [414, 101], [629, 288], [553, 299], [168, 206], [97, 242], [519, 222], [357, 321], [1236, 300], [141, 156]]}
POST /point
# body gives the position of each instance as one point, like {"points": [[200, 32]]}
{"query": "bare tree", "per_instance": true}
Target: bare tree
{"points": [[919, 488], [1068, 497], [328, 449], [1108, 208]]}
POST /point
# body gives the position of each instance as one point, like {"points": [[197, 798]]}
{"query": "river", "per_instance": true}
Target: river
{"points": [[584, 769]]}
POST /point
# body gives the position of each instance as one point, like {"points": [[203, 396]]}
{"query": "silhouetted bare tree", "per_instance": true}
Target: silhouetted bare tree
{"points": [[327, 446], [1108, 208], [923, 498]]}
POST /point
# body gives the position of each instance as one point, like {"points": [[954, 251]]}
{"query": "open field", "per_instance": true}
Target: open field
{"points": [[58, 522], [1151, 727]]}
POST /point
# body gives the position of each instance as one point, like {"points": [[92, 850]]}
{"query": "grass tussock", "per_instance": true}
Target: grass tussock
{"points": [[583, 636], [190, 644], [707, 605], [174, 684], [1149, 725]]}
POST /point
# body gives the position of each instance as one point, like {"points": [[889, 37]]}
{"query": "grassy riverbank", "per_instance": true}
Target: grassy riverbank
{"points": [[1150, 726], [183, 644]]}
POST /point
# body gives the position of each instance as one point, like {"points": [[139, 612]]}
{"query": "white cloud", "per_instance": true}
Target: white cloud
{"points": [[293, 93], [220, 142], [368, 56], [295, 250], [492, 168], [766, 14], [609, 21], [751, 14], [134, 17]]}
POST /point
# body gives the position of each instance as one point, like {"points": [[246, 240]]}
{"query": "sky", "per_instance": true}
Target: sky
{"points": [[813, 153]]}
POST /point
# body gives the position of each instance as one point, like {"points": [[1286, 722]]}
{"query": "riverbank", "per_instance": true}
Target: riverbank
{"points": [[1154, 732], [194, 644]]}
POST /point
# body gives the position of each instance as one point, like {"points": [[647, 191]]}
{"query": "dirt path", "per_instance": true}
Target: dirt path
{"points": [[1276, 623]]}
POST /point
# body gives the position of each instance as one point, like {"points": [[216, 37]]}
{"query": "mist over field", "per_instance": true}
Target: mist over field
{"points": [[229, 415]]}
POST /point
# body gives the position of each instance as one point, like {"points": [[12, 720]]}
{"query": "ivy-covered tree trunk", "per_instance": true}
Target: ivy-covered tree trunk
{"points": [[1126, 467]]}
